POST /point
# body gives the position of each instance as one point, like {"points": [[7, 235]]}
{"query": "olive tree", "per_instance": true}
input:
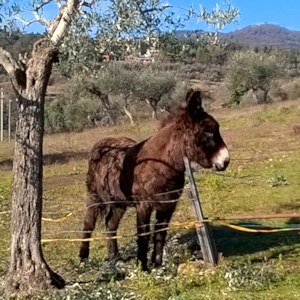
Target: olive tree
{"points": [[117, 79], [153, 86], [251, 71]]}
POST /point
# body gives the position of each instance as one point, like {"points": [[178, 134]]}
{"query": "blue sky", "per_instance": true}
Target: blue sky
{"points": [[285, 13]]}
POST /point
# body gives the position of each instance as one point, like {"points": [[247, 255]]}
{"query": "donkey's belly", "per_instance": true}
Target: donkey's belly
{"points": [[158, 190]]}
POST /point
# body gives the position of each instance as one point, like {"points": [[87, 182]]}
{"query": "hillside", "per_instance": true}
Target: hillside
{"points": [[266, 34]]}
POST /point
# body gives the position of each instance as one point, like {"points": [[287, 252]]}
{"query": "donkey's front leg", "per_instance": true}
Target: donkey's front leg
{"points": [[143, 230], [162, 222]]}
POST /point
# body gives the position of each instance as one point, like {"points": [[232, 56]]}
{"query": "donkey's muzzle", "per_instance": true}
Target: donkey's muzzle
{"points": [[221, 160], [223, 166]]}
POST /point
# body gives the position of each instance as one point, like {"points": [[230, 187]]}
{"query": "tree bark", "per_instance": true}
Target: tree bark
{"points": [[28, 270]]}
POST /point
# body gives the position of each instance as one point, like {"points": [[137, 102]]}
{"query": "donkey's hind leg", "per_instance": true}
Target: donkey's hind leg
{"points": [[112, 222], [90, 218]]}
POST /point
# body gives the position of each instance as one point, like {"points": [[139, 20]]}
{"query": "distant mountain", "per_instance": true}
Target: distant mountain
{"points": [[255, 35], [266, 34]]}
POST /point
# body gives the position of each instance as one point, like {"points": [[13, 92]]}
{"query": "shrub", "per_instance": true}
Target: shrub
{"points": [[70, 112]]}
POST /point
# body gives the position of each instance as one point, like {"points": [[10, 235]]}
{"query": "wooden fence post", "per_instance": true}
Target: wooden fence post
{"points": [[205, 238]]}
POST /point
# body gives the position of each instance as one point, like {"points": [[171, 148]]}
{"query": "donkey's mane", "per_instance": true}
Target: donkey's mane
{"points": [[178, 115]]}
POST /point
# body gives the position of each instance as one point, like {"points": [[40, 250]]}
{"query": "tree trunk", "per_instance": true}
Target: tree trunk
{"points": [[127, 112], [28, 270], [105, 103], [153, 105], [154, 113], [129, 115], [261, 95]]}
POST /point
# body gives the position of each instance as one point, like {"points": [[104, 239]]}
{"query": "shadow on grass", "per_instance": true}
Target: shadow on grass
{"points": [[49, 159], [231, 242]]}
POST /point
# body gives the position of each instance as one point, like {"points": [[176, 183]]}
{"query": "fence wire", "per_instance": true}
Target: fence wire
{"points": [[167, 226], [181, 225]]}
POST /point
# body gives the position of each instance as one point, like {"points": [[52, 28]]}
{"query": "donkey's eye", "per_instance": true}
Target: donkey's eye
{"points": [[205, 138], [209, 134]]}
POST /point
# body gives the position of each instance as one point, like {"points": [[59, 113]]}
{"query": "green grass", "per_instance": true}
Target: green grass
{"points": [[263, 178], [278, 115]]}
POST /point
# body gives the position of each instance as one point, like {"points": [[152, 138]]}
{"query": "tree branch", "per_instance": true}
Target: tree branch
{"points": [[60, 26], [38, 16], [26, 23], [87, 4], [155, 9], [42, 4], [40, 19], [14, 69]]}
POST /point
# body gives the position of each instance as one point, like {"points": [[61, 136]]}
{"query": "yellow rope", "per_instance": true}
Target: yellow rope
{"points": [[185, 225], [59, 219], [251, 230]]}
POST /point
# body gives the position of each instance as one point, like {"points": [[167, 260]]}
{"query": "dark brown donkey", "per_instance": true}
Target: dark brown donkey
{"points": [[149, 175]]}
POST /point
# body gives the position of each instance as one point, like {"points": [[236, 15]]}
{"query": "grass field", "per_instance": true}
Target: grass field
{"points": [[264, 177]]}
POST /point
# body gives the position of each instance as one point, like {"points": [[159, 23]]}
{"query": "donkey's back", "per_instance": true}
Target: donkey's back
{"points": [[105, 168]]}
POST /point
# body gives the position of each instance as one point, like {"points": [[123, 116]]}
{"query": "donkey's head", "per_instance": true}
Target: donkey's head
{"points": [[203, 142]]}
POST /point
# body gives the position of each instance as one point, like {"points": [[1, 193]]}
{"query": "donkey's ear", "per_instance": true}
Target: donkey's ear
{"points": [[189, 94], [194, 103]]}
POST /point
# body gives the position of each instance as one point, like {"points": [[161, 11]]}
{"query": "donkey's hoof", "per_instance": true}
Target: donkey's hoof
{"points": [[84, 254], [146, 269], [143, 266]]}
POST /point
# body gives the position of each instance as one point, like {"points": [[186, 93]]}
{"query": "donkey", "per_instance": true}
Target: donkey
{"points": [[149, 175]]}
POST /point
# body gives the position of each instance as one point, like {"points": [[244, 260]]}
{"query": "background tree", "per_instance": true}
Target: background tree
{"points": [[119, 80], [153, 86], [131, 83], [250, 70]]}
